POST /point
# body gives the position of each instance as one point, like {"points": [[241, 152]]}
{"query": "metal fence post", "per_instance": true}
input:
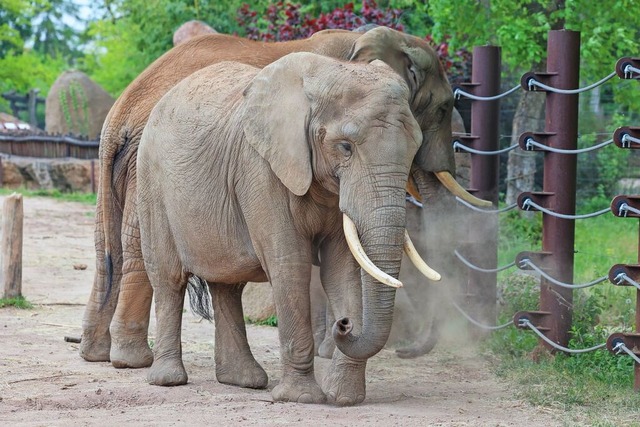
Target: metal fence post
{"points": [[482, 236], [559, 186]]}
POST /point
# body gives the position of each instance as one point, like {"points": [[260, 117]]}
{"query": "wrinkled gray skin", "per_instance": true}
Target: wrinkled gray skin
{"points": [[116, 318], [420, 299], [244, 175]]}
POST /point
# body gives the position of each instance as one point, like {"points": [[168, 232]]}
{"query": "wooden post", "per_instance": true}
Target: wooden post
{"points": [[11, 262], [32, 102]]}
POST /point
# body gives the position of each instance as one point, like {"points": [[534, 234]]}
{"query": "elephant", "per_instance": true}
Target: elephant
{"points": [[247, 174], [418, 310], [116, 318]]}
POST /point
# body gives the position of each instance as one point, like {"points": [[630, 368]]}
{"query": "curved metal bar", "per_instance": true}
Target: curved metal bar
{"points": [[483, 270], [470, 206], [530, 203], [534, 267], [620, 347], [478, 324], [532, 142], [457, 144], [525, 322], [533, 82], [457, 93], [622, 277]]}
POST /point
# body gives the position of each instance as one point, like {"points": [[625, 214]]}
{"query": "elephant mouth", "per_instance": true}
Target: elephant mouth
{"points": [[449, 182], [355, 246]]}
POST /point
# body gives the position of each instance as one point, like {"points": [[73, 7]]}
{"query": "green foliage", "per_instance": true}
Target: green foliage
{"points": [[27, 70], [269, 321], [86, 198], [518, 233], [75, 109], [18, 302], [133, 33]]}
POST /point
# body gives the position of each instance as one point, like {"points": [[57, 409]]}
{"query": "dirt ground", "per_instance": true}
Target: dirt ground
{"points": [[44, 382]]}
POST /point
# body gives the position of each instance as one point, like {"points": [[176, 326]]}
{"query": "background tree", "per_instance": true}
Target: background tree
{"points": [[35, 45]]}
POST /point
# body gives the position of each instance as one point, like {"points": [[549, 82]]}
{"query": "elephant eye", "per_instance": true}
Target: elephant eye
{"points": [[345, 148]]}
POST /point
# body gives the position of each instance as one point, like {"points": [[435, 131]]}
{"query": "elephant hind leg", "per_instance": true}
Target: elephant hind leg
{"points": [[129, 328], [235, 363], [167, 368], [96, 339]]}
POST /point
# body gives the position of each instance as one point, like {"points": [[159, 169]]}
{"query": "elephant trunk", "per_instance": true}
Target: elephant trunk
{"points": [[382, 236]]}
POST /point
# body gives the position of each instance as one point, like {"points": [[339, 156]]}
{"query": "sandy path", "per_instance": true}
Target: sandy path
{"points": [[44, 382]]}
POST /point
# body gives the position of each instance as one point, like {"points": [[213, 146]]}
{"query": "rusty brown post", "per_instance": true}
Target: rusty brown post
{"points": [[483, 236], [559, 185]]}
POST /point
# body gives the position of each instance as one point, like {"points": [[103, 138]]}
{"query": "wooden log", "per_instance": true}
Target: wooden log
{"points": [[11, 246]]}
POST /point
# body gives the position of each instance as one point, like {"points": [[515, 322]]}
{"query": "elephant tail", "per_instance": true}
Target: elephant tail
{"points": [[112, 145], [200, 298], [105, 202]]}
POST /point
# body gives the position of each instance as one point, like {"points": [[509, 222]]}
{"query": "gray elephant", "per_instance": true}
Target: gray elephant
{"points": [[418, 308], [247, 175], [116, 318]]}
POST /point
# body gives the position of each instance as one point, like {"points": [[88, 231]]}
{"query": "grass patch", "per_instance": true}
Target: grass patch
{"points": [[269, 321], [87, 198], [18, 302], [594, 388]]}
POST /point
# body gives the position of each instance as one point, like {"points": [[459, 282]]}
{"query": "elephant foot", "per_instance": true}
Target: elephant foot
{"points": [[298, 388], [247, 375], [136, 354], [414, 351], [344, 382], [95, 350], [326, 348], [167, 372], [421, 348], [129, 345]]}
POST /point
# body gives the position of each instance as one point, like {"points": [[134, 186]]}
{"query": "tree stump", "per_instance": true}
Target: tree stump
{"points": [[11, 256]]}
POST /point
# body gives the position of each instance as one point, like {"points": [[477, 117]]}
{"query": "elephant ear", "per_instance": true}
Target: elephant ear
{"points": [[277, 112], [394, 48]]}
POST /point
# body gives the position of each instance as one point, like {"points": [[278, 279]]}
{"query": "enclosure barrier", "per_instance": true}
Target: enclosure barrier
{"points": [[48, 146], [482, 242], [556, 202]]}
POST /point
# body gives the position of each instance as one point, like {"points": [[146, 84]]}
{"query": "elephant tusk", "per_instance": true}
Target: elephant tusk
{"points": [[456, 189], [413, 189], [417, 260], [351, 234]]}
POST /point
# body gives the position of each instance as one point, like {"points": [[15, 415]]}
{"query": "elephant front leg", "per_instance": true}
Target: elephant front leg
{"points": [[291, 293], [344, 382], [167, 368], [130, 325], [234, 362]]}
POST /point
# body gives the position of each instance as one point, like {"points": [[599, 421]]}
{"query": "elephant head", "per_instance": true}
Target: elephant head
{"points": [[431, 103], [344, 129]]}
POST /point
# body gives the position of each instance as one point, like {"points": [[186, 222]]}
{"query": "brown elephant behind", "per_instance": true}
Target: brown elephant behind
{"points": [[116, 319]]}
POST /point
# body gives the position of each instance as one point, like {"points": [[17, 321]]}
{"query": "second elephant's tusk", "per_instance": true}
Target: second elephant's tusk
{"points": [[351, 234], [456, 189], [417, 260], [412, 189]]}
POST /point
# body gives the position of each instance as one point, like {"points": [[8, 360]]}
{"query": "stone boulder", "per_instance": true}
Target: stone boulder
{"points": [[191, 29], [257, 302], [64, 174], [76, 105]]}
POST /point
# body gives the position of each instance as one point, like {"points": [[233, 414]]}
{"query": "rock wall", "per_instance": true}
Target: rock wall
{"points": [[64, 174]]}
